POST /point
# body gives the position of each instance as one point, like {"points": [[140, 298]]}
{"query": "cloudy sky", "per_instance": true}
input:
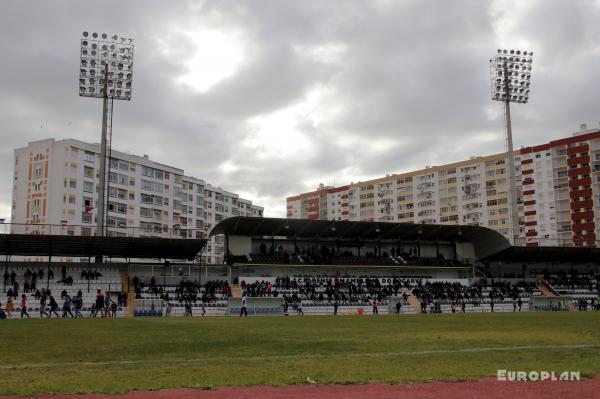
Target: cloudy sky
{"points": [[270, 98]]}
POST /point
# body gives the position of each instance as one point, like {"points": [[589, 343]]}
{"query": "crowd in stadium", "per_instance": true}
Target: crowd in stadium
{"points": [[185, 291], [329, 255], [574, 280], [23, 295]]}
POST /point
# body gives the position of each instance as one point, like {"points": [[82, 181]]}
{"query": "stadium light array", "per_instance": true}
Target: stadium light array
{"points": [[105, 71], [510, 76], [106, 66]]}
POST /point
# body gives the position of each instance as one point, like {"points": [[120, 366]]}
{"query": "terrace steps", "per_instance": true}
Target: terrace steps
{"points": [[236, 291], [414, 302], [128, 310], [545, 288]]}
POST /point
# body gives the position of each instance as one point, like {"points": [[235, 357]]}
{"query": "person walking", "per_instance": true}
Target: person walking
{"points": [[67, 307], [53, 307], [99, 303], [78, 304], [10, 307], [24, 304], [244, 311], [43, 301]]}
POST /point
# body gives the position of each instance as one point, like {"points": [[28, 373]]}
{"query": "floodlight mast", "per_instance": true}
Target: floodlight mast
{"points": [[102, 188], [510, 79], [106, 71]]}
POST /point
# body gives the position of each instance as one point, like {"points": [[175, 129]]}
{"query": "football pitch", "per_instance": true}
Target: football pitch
{"points": [[118, 355]]}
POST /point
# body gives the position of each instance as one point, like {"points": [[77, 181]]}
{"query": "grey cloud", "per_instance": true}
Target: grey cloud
{"points": [[413, 74]]}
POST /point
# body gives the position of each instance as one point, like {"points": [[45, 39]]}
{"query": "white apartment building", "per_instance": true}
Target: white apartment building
{"points": [[55, 191], [558, 193]]}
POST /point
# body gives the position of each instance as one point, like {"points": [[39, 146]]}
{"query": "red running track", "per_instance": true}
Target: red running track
{"points": [[488, 388]]}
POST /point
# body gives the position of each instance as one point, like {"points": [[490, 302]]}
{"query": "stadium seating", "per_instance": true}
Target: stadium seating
{"points": [[108, 280]]}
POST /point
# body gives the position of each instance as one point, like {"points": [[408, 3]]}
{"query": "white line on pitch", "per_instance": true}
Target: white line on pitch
{"points": [[297, 357]]}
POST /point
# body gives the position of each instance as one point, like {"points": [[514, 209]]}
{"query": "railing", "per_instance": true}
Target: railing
{"points": [[175, 231], [556, 242]]}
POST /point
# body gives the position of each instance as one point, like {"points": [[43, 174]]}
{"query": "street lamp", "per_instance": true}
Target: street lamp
{"points": [[105, 71], [510, 75]]}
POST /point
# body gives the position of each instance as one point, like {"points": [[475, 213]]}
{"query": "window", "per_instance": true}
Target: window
{"points": [[146, 213], [117, 207], [116, 222], [86, 218], [88, 172], [152, 186], [151, 172], [90, 157]]}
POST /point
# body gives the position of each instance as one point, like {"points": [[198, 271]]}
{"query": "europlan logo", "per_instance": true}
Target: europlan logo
{"points": [[534, 375]]}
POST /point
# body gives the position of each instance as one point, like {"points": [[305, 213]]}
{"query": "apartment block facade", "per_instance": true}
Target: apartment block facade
{"points": [[558, 194], [55, 191]]}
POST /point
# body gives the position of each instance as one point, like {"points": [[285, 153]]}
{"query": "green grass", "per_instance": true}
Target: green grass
{"points": [[70, 356]]}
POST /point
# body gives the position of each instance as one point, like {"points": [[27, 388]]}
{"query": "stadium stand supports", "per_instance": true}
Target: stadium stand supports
{"points": [[414, 302], [545, 288]]}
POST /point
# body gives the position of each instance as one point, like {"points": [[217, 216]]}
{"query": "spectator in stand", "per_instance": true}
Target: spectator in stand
{"points": [[13, 276], [24, 305], [6, 277], [50, 274]]}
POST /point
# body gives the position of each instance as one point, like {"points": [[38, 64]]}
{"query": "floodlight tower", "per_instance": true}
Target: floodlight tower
{"points": [[106, 71], [510, 75]]}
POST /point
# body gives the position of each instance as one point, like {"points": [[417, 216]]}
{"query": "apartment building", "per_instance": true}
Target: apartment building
{"points": [[55, 191], [558, 193]]}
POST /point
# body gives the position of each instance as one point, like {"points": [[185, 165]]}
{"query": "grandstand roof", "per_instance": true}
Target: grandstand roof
{"points": [[84, 246], [547, 254], [486, 241]]}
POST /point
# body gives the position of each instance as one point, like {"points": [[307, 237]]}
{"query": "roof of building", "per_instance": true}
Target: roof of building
{"points": [[84, 246], [486, 241], [547, 254]]}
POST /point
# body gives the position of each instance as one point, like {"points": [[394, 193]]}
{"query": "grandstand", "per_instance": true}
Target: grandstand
{"points": [[41, 281], [307, 267]]}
